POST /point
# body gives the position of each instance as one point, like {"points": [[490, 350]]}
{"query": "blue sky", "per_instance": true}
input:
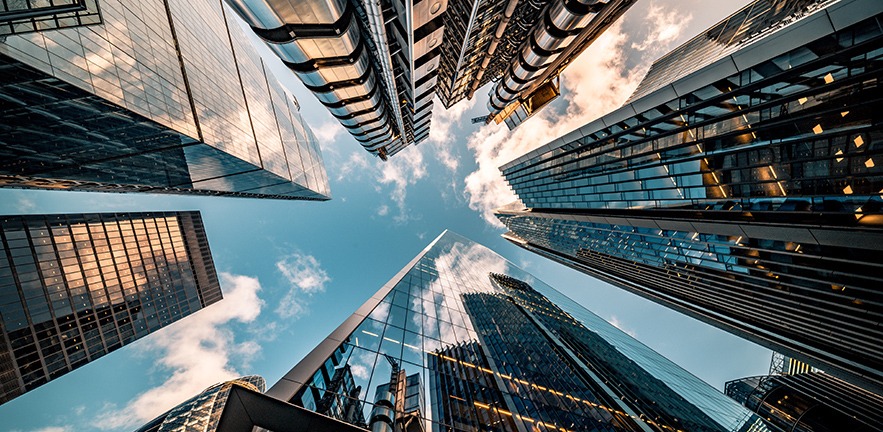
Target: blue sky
{"points": [[292, 271]]}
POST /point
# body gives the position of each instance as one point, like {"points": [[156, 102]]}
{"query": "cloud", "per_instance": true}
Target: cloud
{"points": [[383, 210], [597, 82], [618, 324], [664, 28], [25, 204], [305, 275], [198, 350], [441, 134], [353, 165], [327, 133], [401, 171], [55, 429]]}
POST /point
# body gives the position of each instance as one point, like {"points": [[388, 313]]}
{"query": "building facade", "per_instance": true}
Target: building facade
{"points": [[202, 412], [377, 65], [462, 340], [161, 96], [808, 401], [76, 287], [23, 16], [740, 185]]}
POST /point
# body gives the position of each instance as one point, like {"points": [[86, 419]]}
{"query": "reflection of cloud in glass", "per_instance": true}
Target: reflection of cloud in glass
{"points": [[380, 313]]}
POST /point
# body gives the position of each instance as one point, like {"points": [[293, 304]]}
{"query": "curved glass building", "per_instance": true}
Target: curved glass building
{"points": [[202, 412]]}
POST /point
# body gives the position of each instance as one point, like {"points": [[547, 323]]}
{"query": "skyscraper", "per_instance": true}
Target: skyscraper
{"points": [[377, 64], [202, 412], [741, 184], [162, 96], [76, 287], [808, 401], [462, 340]]}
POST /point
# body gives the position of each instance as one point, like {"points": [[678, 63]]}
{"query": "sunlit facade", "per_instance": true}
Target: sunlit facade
{"points": [[378, 65], [76, 287], [462, 340], [160, 97], [202, 412], [741, 184]]}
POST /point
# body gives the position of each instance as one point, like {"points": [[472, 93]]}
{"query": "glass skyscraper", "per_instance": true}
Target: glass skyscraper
{"points": [[202, 412], [808, 401], [161, 96], [377, 65], [742, 184], [76, 287], [462, 340]]}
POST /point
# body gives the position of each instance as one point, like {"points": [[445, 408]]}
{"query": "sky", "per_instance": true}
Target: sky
{"points": [[292, 271]]}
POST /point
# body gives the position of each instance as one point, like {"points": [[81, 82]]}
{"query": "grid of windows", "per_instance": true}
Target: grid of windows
{"points": [[76, 287], [752, 202], [28, 16], [488, 351], [797, 131], [164, 96]]}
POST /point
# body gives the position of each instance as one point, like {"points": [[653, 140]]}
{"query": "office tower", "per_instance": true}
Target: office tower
{"points": [[76, 287], [462, 340], [741, 185], [377, 64], [808, 401], [202, 412], [161, 96], [26, 16]]}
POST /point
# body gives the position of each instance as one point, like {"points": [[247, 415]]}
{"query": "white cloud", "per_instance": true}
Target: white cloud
{"points": [[327, 133], [443, 120], [597, 82], [305, 275], [353, 166], [441, 134], [55, 429], [25, 204], [664, 28], [383, 210], [618, 324], [401, 171], [198, 350]]}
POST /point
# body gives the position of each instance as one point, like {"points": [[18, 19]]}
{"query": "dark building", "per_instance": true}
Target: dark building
{"points": [[158, 96], [377, 65], [76, 287], [202, 412], [462, 340], [741, 184], [809, 401]]}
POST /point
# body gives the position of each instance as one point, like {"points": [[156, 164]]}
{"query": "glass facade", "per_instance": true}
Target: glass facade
{"points": [[809, 402], [202, 412], [76, 287], [462, 340], [746, 194], [163, 97], [27, 16]]}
